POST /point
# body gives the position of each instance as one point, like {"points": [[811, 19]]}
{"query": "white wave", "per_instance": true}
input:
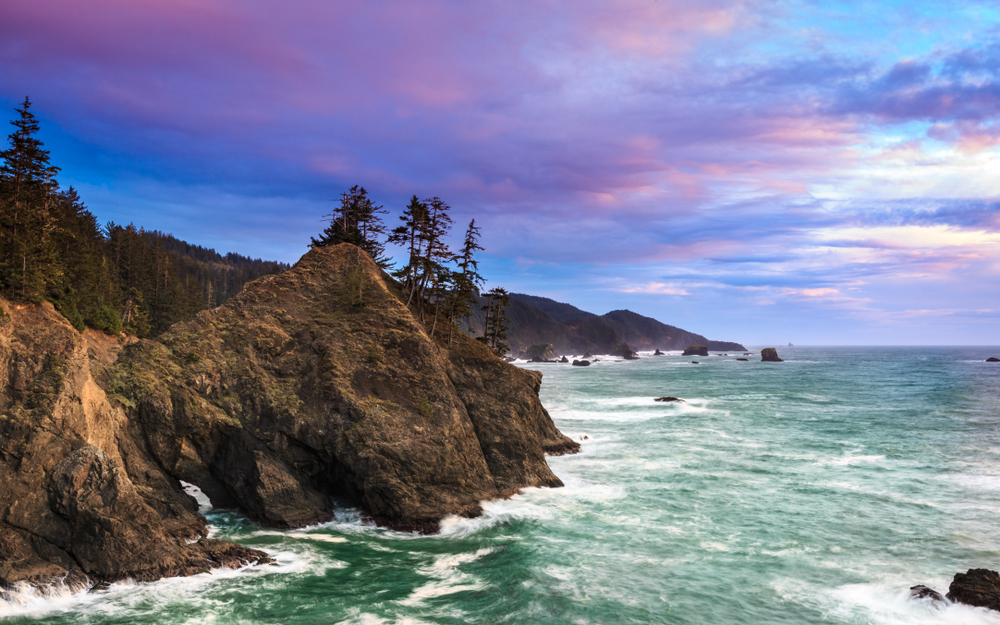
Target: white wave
{"points": [[446, 578], [884, 602]]}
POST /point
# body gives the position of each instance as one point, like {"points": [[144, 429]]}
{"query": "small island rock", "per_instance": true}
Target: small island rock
{"points": [[993, 359], [744, 359], [695, 350], [769, 354], [668, 398], [564, 359], [581, 363], [657, 352]]}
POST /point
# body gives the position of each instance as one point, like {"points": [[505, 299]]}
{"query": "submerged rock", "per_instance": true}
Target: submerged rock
{"points": [[695, 350], [668, 399], [977, 587], [769, 354], [923, 592], [743, 359]]}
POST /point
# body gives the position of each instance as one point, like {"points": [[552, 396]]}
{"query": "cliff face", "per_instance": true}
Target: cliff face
{"points": [[314, 383], [79, 500]]}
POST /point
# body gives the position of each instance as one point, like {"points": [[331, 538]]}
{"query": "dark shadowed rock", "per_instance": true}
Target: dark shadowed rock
{"points": [[769, 354], [657, 352], [564, 359], [695, 362], [977, 587], [923, 592], [581, 363], [743, 359], [668, 399], [993, 359], [695, 350], [626, 352]]}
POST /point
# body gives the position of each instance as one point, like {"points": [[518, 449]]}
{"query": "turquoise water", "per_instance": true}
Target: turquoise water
{"points": [[811, 491]]}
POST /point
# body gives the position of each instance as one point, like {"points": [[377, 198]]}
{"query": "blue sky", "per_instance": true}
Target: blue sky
{"points": [[766, 172]]}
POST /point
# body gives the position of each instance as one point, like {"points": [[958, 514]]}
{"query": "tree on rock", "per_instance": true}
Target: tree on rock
{"points": [[357, 221], [495, 322], [466, 280]]}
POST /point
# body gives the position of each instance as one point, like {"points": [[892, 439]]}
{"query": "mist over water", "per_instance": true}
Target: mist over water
{"points": [[817, 490]]}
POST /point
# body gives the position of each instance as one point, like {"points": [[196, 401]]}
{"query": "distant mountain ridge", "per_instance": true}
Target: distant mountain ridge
{"points": [[535, 320]]}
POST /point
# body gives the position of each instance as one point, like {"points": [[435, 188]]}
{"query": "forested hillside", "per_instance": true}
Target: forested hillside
{"points": [[109, 277]]}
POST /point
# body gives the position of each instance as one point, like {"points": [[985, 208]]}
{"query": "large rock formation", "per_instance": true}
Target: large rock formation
{"points": [[314, 383], [80, 499]]}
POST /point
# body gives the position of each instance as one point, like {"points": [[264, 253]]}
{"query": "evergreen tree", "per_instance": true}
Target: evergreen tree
{"points": [[414, 220], [356, 221], [496, 322], [467, 280], [27, 224]]}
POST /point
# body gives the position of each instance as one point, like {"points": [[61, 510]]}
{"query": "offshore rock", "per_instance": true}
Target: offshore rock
{"points": [[319, 383], [977, 587], [657, 352], [668, 399], [581, 363], [993, 359], [81, 501], [626, 352], [564, 360], [695, 350], [769, 354]]}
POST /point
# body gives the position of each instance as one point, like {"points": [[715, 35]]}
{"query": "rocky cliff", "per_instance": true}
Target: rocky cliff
{"points": [[312, 384]]}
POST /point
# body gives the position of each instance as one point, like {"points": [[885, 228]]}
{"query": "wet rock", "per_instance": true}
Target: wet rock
{"points": [[564, 359], [769, 354], [923, 592], [993, 359], [657, 352], [581, 363], [695, 362], [977, 587], [743, 359], [695, 350], [626, 352], [668, 399]]}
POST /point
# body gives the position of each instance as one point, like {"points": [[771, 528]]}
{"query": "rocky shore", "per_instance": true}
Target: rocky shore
{"points": [[314, 383]]}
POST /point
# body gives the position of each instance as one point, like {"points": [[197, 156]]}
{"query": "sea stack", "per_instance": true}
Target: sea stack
{"points": [[314, 383], [769, 354], [695, 350]]}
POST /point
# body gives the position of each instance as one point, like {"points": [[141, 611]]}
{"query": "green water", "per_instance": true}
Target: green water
{"points": [[811, 491]]}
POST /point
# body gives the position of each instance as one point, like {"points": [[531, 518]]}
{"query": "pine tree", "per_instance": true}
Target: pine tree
{"points": [[496, 322], [414, 220], [467, 281], [356, 221], [27, 223]]}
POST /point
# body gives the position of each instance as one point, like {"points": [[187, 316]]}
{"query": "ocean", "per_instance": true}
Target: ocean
{"points": [[817, 490]]}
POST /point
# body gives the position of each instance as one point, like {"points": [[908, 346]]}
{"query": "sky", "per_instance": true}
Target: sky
{"points": [[821, 173]]}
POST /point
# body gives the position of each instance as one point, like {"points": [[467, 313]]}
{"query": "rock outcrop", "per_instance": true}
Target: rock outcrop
{"points": [[581, 363], [769, 354], [977, 587], [80, 500], [695, 350], [668, 399], [543, 352], [993, 359], [626, 352], [314, 383]]}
